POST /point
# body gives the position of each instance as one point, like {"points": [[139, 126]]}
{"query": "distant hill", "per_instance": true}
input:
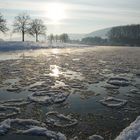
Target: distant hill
{"points": [[124, 35], [100, 33], [76, 36]]}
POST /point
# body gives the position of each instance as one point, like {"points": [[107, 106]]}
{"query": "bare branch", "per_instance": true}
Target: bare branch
{"points": [[21, 24], [37, 28], [3, 27]]}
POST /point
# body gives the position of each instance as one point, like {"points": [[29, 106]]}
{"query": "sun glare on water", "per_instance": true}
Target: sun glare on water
{"points": [[56, 12], [54, 71]]}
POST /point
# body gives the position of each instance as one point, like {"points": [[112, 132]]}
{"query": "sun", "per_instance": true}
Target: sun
{"points": [[56, 12]]}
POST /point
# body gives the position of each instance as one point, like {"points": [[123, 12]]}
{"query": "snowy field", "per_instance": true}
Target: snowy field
{"points": [[17, 45], [87, 93]]}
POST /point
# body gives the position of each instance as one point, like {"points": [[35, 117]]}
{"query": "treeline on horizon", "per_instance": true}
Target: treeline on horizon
{"points": [[23, 24], [120, 35]]}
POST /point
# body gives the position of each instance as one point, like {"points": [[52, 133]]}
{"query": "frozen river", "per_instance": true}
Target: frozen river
{"points": [[78, 92]]}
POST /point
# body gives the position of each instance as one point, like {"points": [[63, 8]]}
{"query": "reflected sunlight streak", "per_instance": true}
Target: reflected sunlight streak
{"points": [[55, 51], [55, 71]]}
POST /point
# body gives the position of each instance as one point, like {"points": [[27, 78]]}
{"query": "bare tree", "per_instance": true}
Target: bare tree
{"points": [[51, 38], [64, 37], [3, 27], [56, 37], [37, 28], [21, 24]]}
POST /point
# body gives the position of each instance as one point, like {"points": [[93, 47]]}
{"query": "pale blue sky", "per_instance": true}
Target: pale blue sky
{"points": [[82, 16]]}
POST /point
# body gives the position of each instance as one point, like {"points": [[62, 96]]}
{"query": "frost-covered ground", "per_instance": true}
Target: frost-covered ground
{"points": [[70, 93], [17, 45]]}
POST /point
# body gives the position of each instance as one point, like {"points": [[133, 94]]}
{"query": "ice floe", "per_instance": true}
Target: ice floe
{"points": [[6, 125], [73, 75], [76, 59], [6, 111], [77, 85], [75, 138], [59, 84], [132, 132], [42, 131], [121, 70], [48, 97], [113, 102], [13, 89], [31, 127], [118, 81], [108, 86], [95, 137], [134, 91], [136, 72], [60, 120], [14, 102]]}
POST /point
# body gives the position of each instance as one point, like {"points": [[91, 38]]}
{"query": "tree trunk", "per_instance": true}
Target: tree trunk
{"points": [[23, 36], [36, 37]]}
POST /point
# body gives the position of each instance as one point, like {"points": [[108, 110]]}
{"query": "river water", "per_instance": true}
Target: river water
{"points": [[90, 76]]}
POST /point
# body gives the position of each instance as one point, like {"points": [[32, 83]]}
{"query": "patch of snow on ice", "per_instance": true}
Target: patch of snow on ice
{"points": [[132, 132]]}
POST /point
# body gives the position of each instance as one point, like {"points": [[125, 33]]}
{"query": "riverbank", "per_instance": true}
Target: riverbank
{"points": [[17, 45]]}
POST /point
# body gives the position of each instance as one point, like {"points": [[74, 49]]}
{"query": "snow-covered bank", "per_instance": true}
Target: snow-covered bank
{"points": [[132, 132], [17, 45], [11, 46]]}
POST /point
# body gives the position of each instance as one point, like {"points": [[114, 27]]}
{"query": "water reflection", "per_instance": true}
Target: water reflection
{"points": [[55, 51], [54, 70]]}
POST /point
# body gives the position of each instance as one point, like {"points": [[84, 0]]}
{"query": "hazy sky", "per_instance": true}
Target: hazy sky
{"points": [[78, 16]]}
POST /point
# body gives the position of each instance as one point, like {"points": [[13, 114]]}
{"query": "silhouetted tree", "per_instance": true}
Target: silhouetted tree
{"points": [[56, 38], [125, 35], [64, 37], [3, 27], [21, 24], [94, 41], [51, 38], [37, 28]]}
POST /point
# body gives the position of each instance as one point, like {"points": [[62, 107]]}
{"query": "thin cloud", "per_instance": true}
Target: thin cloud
{"points": [[82, 15]]}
